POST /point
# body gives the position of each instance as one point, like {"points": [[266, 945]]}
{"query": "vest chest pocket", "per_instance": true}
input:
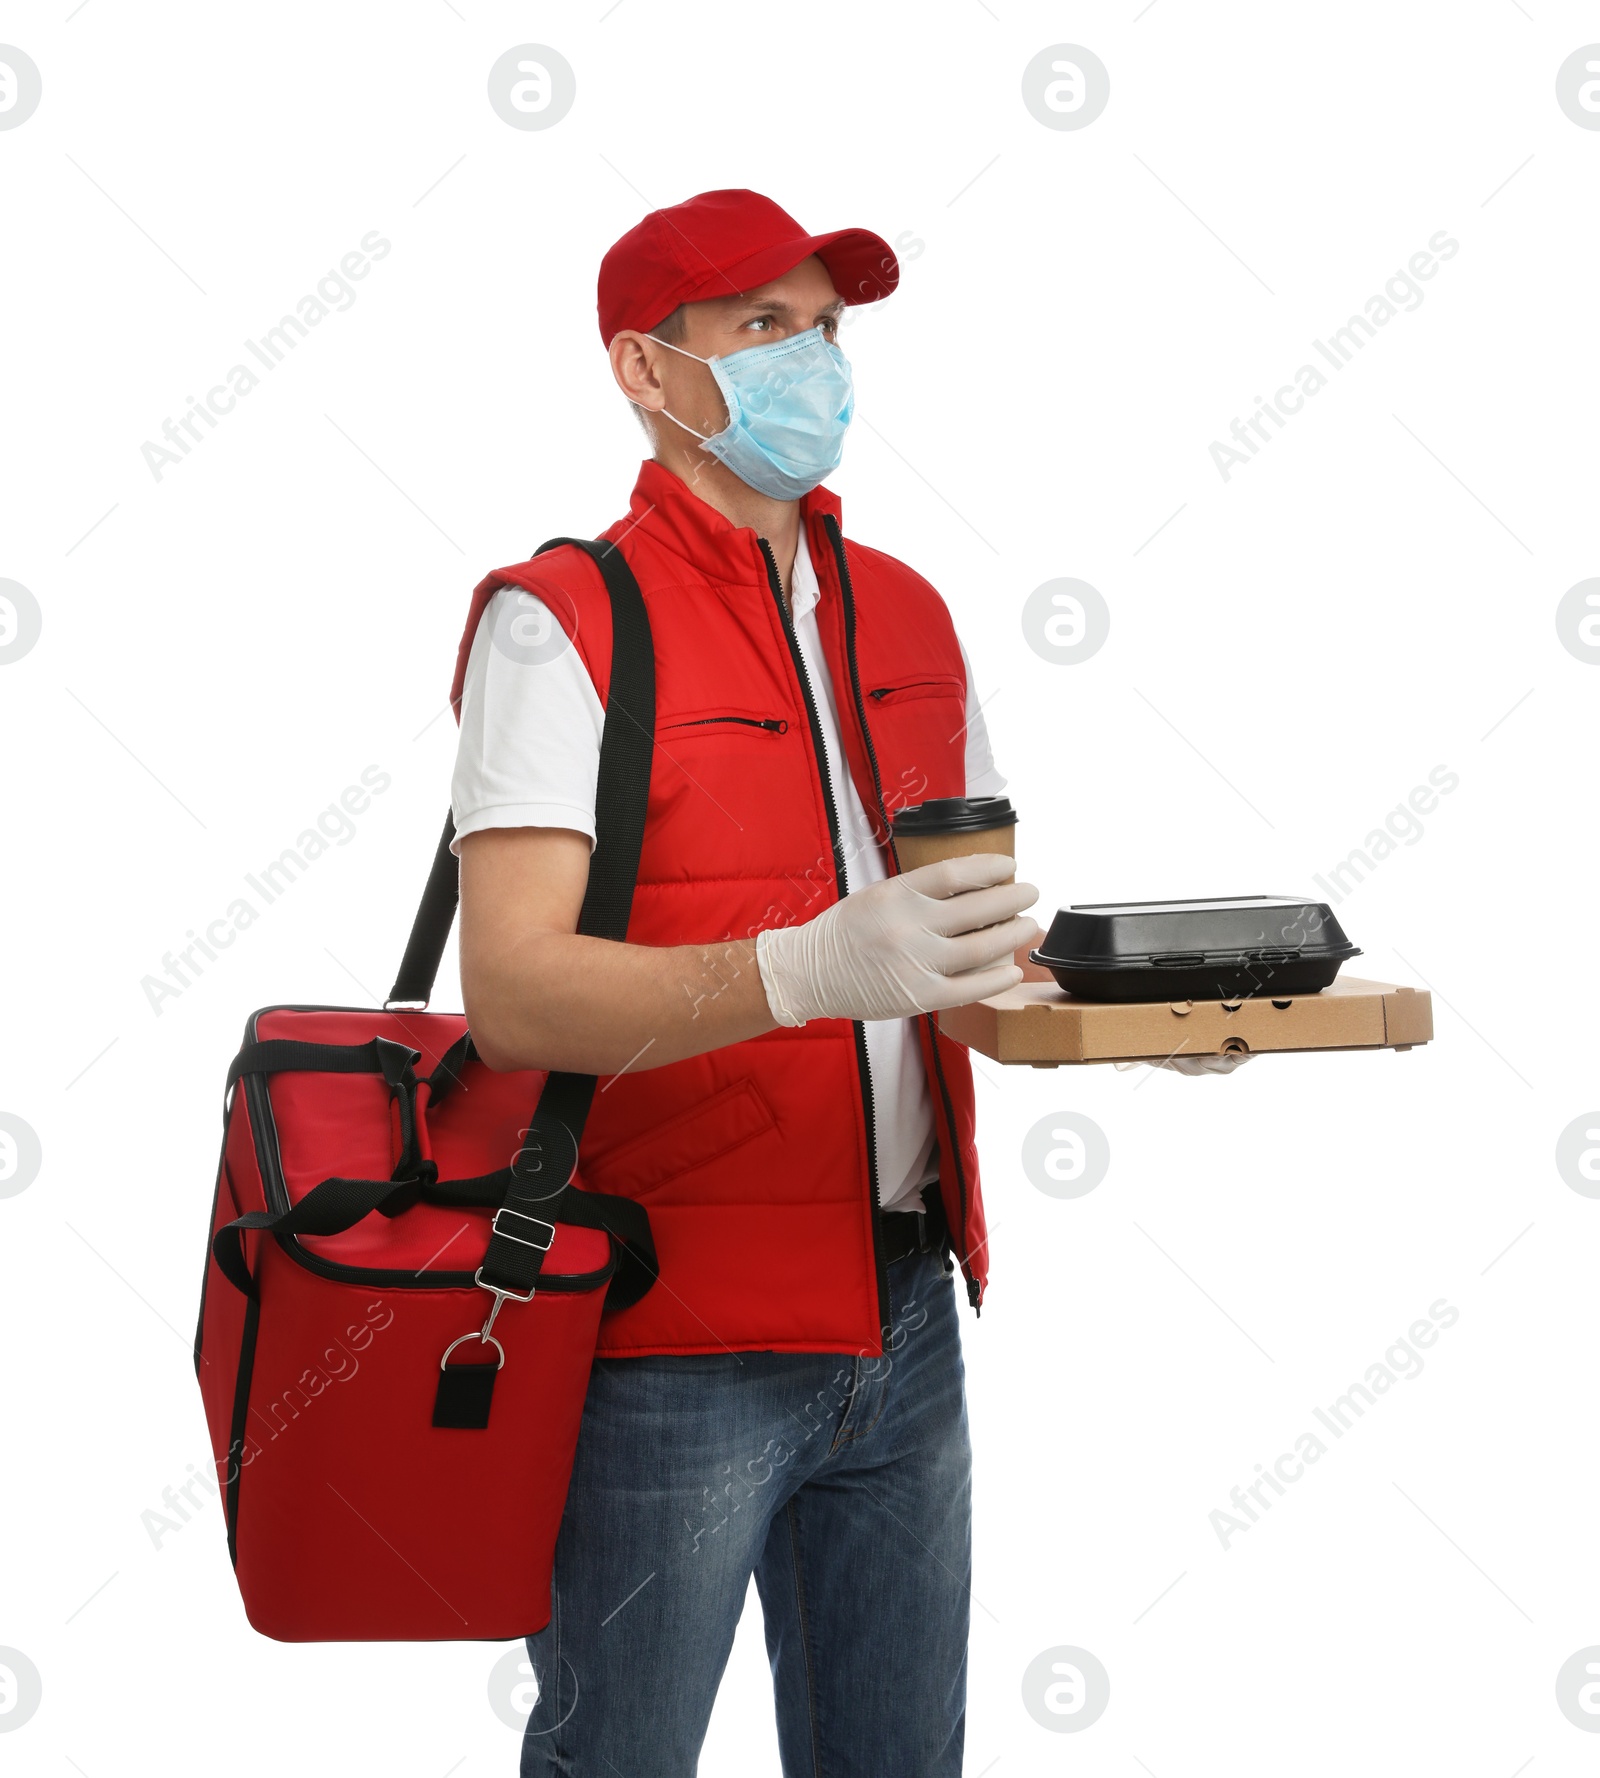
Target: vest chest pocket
{"points": [[919, 730], [724, 797]]}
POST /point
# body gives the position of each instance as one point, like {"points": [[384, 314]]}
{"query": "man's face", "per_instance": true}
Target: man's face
{"points": [[723, 325]]}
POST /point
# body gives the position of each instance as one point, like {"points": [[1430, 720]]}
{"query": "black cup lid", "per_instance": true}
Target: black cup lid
{"points": [[956, 814]]}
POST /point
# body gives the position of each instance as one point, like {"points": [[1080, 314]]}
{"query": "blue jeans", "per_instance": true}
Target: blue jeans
{"points": [[843, 1484]]}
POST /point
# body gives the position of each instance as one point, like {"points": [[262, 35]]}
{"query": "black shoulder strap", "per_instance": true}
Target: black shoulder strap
{"points": [[542, 1169]]}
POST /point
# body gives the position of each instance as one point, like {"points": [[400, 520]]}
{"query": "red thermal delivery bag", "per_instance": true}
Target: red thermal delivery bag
{"points": [[404, 1281]]}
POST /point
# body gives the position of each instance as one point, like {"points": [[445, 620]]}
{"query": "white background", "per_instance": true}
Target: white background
{"points": [[1082, 313]]}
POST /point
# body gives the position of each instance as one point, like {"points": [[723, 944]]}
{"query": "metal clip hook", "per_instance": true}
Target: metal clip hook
{"points": [[494, 1309], [500, 1296]]}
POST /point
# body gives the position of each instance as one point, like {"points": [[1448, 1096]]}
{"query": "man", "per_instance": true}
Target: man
{"points": [[787, 1401]]}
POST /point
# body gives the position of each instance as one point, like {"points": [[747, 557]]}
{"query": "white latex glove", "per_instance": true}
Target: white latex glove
{"points": [[939, 936], [1223, 1064]]}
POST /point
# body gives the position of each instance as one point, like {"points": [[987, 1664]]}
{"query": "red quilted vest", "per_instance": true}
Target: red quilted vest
{"points": [[755, 1161]]}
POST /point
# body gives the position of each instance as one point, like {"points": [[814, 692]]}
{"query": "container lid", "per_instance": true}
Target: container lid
{"points": [[955, 814], [1231, 928]]}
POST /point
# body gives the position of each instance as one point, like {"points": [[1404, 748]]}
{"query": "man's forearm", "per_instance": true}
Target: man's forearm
{"points": [[590, 1006]]}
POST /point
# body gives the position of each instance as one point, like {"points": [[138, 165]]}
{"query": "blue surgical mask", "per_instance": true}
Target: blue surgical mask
{"points": [[789, 406]]}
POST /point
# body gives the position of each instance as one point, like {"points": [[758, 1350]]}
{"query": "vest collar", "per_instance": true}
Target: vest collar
{"points": [[668, 512]]}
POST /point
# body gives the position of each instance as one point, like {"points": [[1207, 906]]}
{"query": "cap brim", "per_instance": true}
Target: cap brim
{"points": [[862, 265]]}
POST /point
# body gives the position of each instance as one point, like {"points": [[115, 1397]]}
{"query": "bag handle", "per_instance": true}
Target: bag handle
{"points": [[339, 1204]]}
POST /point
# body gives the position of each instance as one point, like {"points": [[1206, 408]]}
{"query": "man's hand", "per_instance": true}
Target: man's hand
{"points": [[939, 936]]}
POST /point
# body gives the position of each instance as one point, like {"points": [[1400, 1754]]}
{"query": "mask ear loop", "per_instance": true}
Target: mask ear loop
{"points": [[678, 349], [704, 437]]}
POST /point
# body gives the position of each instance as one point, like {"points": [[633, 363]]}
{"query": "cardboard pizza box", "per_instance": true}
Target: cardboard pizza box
{"points": [[1037, 1024]]}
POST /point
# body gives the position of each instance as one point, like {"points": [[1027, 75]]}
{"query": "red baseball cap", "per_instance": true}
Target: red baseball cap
{"points": [[721, 243]]}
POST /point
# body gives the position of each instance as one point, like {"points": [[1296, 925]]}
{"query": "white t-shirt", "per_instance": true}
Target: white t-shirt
{"points": [[529, 754]]}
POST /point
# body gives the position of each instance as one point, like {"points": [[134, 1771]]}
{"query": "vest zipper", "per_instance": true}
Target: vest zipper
{"points": [[836, 540], [863, 1066]]}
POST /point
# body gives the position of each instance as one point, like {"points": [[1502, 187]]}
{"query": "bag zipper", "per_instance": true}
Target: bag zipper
{"points": [[863, 1065], [836, 539]]}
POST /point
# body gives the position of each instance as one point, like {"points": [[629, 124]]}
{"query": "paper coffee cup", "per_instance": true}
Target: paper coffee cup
{"points": [[954, 827]]}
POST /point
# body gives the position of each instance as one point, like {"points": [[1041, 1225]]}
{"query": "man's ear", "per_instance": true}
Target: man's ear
{"points": [[633, 365]]}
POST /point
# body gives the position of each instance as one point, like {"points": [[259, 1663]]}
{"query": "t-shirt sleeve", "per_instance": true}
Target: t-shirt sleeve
{"points": [[531, 721], [983, 776]]}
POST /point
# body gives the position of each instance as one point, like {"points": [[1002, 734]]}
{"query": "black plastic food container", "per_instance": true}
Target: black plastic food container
{"points": [[1222, 949]]}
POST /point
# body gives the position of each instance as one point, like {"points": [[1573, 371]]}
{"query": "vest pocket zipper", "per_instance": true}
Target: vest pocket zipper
{"points": [[775, 724], [917, 688]]}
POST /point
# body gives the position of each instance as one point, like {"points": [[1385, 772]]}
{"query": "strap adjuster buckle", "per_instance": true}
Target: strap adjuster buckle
{"points": [[535, 1223]]}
